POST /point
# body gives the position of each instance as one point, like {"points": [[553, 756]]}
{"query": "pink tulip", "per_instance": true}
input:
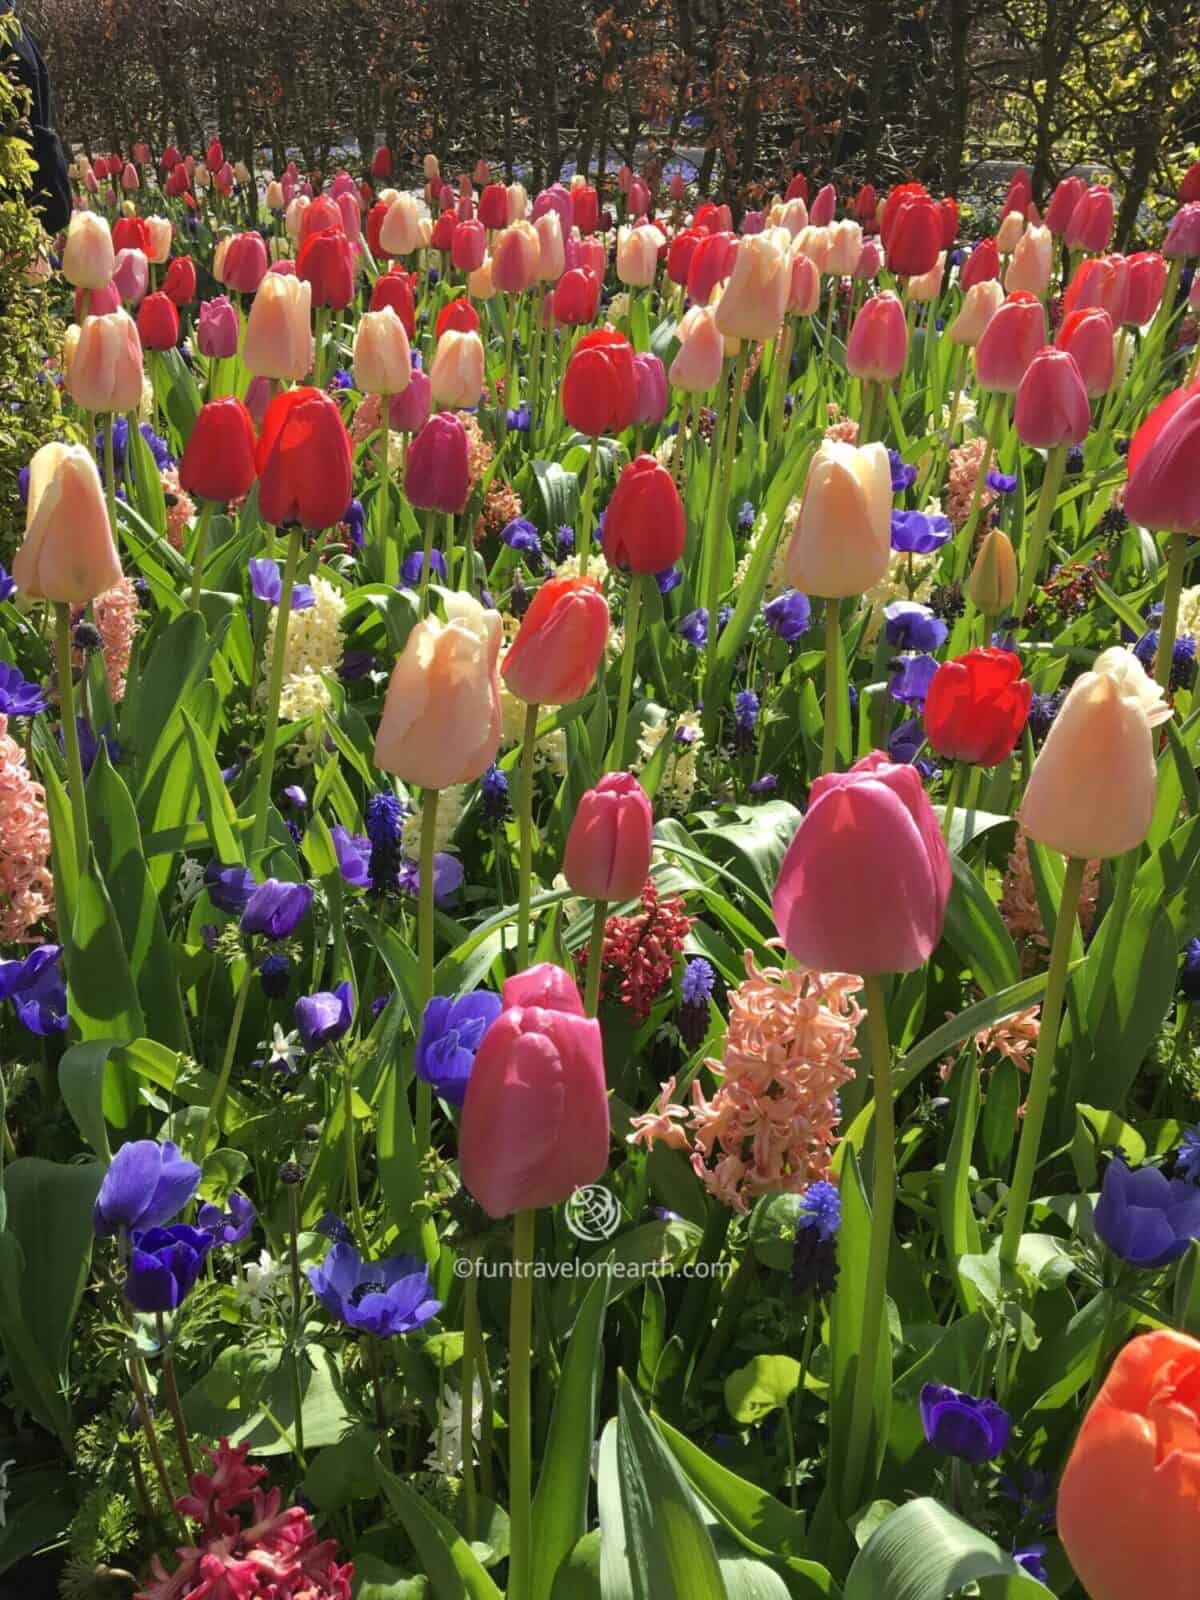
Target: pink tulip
{"points": [[1183, 236], [409, 412], [535, 1119], [638, 198], [824, 206], [1144, 291], [1013, 336], [868, 837], [611, 840], [1088, 336], [131, 277], [1052, 407], [1091, 224], [651, 405], [1062, 204], [878, 340]]}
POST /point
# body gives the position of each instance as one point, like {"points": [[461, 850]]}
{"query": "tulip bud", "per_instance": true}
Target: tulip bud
{"points": [[677, 188], [441, 716], [1052, 406], [804, 288], [867, 835], [157, 324], [576, 297], [535, 1116], [131, 278], [1163, 491], [219, 459], [712, 261], [599, 389], [456, 376], [106, 371], [351, 213], [200, 177], [1101, 281], [1183, 236], [129, 178], [217, 333], [278, 341], [179, 283], [88, 256], [431, 167], [1091, 224], [1092, 789], [992, 586], [1032, 262], [700, 358], [1144, 290], [842, 541], [67, 555], [981, 265], [980, 304], [869, 262], [326, 261], [926, 286], [914, 238], [644, 526], [303, 461], [99, 301], [557, 649], [797, 188], [822, 210], [1087, 336], [437, 474], [274, 196], [1062, 205], [382, 359], [515, 256], [816, 244], [243, 263], [294, 216], [845, 247], [1013, 336], [1009, 233], [878, 340], [551, 260], [610, 841], [518, 203], [637, 254], [652, 398], [754, 301]]}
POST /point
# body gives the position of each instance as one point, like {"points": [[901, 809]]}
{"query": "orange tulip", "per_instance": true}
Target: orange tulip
{"points": [[1127, 1501]]}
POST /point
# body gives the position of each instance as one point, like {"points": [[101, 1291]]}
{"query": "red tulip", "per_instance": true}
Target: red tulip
{"points": [[1189, 189], [396, 289], [1163, 491], [1052, 403], [553, 659], [711, 263], [878, 340], [914, 241], [459, 315], [214, 156], [707, 218], [1088, 336], [599, 390], [170, 158], [326, 261], [644, 526], [680, 251], [585, 204], [824, 206], [977, 706], [177, 181], [1091, 224], [132, 233], [949, 213], [375, 218], [1099, 281], [535, 1118], [381, 163], [303, 460], [442, 237], [245, 262], [1062, 205], [493, 206], [100, 301], [179, 283], [437, 472], [610, 840], [1144, 289], [983, 263], [576, 297], [319, 217], [898, 197], [158, 322], [1020, 193], [866, 204], [468, 246], [797, 188], [868, 837], [219, 459], [1009, 343]]}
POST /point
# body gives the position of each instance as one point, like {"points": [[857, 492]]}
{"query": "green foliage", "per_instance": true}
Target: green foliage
{"points": [[30, 411]]}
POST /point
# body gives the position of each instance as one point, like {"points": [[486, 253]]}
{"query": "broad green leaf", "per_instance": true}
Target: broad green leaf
{"points": [[960, 1230], [453, 1570], [218, 813], [924, 1552], [846, 1331], [81, 1074], [670, 1550], [976, 930], [103, 1000], [765, 1384], [561, 1501], [376, 1579]]}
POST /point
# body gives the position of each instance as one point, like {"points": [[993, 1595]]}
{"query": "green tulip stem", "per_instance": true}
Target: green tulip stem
{"points": [[171, 1390], [591, 997], [520, 1466], [583, 543], [525, 818], [966, 539], [425, 913], [385, 468], [206, 511], [266, 759], [471, 1359], [633, 621], [883, 1199], [213, 1117], [826, 339], [833, 643], [1038, 1097], [952, 796], [1056, 465], [679, 453], [110, 474], [426, 563], [351, 1147], [718, 522], [66, 701], [1177, 550]]}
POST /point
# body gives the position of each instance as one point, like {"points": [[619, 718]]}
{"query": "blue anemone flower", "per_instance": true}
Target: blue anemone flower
{"points": [[382, 1298], [452, 1030]]}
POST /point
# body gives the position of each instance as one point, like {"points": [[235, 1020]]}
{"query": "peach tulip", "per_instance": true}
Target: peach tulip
{"points": [[382, 359], [456, 377], [106, 370], [400, 232], [1032, 262], [980, 304], [515, 254], [551, 260], [637, 254], [68, 553], [88, 256], [701, 355], [842, 542], [278, 340], [754, 299], [161, 233]]}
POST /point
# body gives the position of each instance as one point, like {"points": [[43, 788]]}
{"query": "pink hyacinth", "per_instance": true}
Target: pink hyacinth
{"points": [[965, 460], [276, 1557], [181, 508], [116, 619], [771, 1125], [26, 885]]}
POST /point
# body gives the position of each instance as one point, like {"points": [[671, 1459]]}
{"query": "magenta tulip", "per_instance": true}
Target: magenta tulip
{"points": [[612, 834]]}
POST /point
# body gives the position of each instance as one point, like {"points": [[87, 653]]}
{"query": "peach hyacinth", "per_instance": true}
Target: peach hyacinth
{"points": [[26, 884], [771, 1125]]}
